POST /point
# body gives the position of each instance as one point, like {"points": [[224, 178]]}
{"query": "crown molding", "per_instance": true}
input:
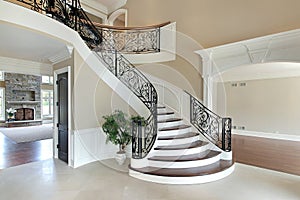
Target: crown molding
{"points": [[61, 55], [280, 47], [24, 66]]}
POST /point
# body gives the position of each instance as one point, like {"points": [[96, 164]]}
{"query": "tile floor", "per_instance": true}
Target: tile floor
{"points": [[52, 179]]}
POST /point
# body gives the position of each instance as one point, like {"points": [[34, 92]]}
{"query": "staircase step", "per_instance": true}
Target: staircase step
{"points": [[196, 144], [186, 172], [161, 107], [181, 136], [170, 120], [172, 128], [166, 113], [184, 158]]}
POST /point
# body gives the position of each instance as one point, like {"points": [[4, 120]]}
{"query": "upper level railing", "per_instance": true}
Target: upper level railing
{"points": [[71, 14], [133, 39]]}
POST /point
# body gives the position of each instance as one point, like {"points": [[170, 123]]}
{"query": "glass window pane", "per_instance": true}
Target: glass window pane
{"points": [[1, 76], [45, 79], [47, 102]]}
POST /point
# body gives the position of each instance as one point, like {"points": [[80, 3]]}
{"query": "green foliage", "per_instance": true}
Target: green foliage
{"points": [[117, 129], [139, 120]]}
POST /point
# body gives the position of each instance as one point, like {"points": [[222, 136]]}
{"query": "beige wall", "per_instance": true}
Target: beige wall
{"points": [[211, 23], [92, 98], [178, 73], [270, 105], [215, 22]]}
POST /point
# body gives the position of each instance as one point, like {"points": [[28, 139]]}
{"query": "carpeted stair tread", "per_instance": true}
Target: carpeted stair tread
{"points": [[179, 136], [183, 126], [170, 120], [196, 144], [193, 157], [186, 172]]}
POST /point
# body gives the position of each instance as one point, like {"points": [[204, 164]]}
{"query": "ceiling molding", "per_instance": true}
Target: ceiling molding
{"points": [[117, 5], [61, 55], [24, 66], [281, 47], [99, 7], [102, 7]]}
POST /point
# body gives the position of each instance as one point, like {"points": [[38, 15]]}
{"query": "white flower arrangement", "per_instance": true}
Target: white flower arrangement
{"points": [[10, 112]]}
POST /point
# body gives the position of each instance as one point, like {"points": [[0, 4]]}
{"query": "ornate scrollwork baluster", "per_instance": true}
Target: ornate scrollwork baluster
{"points": [[216, 129]]}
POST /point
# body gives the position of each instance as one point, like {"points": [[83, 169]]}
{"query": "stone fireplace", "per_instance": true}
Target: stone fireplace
{"points": [[23, 93]]}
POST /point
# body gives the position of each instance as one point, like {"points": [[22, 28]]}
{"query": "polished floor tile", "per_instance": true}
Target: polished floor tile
{"points": [[54, 180]]}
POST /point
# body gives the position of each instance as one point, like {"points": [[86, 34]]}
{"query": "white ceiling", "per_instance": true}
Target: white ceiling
{"points": [[20, 43]]}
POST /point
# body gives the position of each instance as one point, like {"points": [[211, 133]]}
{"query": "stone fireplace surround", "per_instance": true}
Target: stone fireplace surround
{"points": [[23, 91]]}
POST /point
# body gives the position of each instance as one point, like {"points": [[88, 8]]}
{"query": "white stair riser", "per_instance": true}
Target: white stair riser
{"points": [[174, 132], [179, 152], [185, 164], [169, 124], [182, 180], [177, 141], [161, 110], [164, 117]]}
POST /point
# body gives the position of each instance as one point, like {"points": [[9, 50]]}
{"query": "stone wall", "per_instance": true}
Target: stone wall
{"points": [[22, 90]]}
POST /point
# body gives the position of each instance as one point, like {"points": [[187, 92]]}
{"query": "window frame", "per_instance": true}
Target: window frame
{"points": [[51, 111], [3, 104], [50, 80]]}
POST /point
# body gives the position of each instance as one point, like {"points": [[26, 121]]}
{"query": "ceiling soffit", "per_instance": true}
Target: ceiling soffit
{"points": [[103, 6], [281, 47]]}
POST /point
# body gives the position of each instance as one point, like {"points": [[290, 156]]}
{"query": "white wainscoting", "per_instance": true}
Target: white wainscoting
{"points": [[90, 145]]}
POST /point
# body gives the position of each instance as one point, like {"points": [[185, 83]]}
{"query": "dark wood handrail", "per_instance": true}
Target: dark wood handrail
{"points": [[132, 27]]}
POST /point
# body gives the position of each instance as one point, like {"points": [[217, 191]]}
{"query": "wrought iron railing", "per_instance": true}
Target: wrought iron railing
{"points": [[71, 14], [215, 128], [133, 39]]}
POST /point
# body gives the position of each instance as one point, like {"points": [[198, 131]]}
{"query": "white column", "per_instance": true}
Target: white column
{"points": [[207, 72]]}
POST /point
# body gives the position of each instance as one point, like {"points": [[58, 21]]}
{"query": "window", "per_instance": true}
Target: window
{"points": [[1, 76], [2, 104], [47, 103], [47, 79]]}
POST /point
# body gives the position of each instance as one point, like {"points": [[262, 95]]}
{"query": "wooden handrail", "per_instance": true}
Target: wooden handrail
{"points": [[132, 27]]}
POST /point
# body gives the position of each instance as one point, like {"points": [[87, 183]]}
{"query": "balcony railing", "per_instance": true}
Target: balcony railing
{"points": [[132, 39]]}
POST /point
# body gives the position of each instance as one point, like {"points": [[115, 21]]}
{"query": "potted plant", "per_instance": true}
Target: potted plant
{"points": [[139, 120], [117, 130], [139, 124]]}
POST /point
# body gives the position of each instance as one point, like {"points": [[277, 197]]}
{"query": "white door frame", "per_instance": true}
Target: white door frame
{"points": [[55, 121]]}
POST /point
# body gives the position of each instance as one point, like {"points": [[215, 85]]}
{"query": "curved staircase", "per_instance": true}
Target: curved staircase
{"points": [[180, 156], [169, 150]]}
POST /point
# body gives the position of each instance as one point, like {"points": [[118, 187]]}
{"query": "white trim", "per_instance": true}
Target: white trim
{"points": [[276, 136], [50, 114], [115, 6], [111, 19], [3, 103], [70, 135], [96, 12]]}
